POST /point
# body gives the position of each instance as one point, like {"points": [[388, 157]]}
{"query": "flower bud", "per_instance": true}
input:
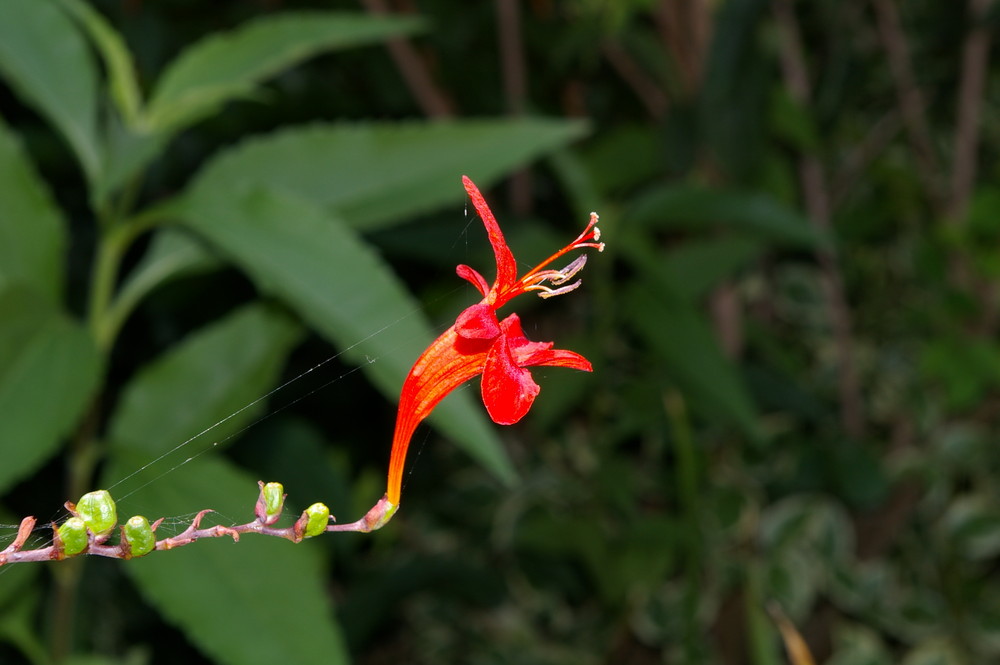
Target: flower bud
{"points": [[98, 512], [318, 519], [73, 536], [139, 538], [270, 503]]}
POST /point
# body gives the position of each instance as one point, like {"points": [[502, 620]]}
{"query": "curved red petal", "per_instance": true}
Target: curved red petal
{"points": [[508, 390], [447, 363], [519, 343], [478, 281], [477, 322], [506, 267], [552, 358]]}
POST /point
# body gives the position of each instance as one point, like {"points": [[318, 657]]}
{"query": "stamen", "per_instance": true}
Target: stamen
{"points": [[547, 292], [566, 274]]}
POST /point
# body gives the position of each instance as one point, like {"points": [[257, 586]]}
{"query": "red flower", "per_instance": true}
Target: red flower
{"points": [[480, 343]]}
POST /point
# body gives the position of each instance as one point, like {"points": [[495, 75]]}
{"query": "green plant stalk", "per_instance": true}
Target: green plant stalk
{"points": [[85, 451], [761, 633], [687, 484]]}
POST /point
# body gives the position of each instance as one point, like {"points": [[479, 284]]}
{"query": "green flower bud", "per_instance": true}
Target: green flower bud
{"points": [[98, 512], [319, 518], [139, 536], [73, 535], [270, 502], [274, 498]]}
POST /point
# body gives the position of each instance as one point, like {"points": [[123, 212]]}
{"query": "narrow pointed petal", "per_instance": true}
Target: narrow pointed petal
{"points": [[478, 322], [508, 390], [553, 358], [477, 280], [506, 267]]}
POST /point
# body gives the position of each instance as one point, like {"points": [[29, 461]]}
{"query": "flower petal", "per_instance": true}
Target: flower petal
{"points": [[519, 343], [508, 390], [477, 322], [478, 281], [553, 358], [506, 267]]}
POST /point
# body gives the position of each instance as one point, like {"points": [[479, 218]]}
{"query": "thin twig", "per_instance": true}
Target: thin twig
{"points": [[909, 98], [432, 100], [685, 30], [644, 87], [817, 202], [266, 517], [515, 88], [975, 52]]}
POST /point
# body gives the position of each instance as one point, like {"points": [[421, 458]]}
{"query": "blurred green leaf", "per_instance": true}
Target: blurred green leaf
{"points": [[17, 624], [680, 337], [377, 174], [793, 123], [47, 62], [214, 377], [230, 65], [971, 526], [335, 282], [49, 370], [793, 579], [693, 207], [692, 268], [858, 645], [967, 368], [812, 523], [935, 651], [172, 254], [736, 89], [123, 81], [32, 231], [261, 601]]}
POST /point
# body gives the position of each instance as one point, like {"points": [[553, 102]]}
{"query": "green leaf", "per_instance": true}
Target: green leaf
{"points": [[217, 375], [971, 526], [230, 65], [20, 597], [695, 267], [49, 369], [377, 174], [259, 602], [858, 645], [693, 207], [681, 338], [735, 91], [335, 282], [48, 63], [172, 254], [32, 231], [122, 79], [935, 651]]}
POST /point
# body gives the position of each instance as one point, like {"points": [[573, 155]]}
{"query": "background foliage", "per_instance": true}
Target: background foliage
{"points": [[793, 327]]}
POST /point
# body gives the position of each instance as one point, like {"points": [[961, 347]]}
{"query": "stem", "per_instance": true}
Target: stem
{"points": [[763, 648], [515, 89], [909, 98], [107, 261], [975, 54], [817, 202], [85, 452], [416, 73], [687, 487]]}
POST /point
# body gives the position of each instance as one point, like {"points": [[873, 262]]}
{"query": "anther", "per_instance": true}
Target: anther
{"points": [[546, 292], [566, 274]]}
